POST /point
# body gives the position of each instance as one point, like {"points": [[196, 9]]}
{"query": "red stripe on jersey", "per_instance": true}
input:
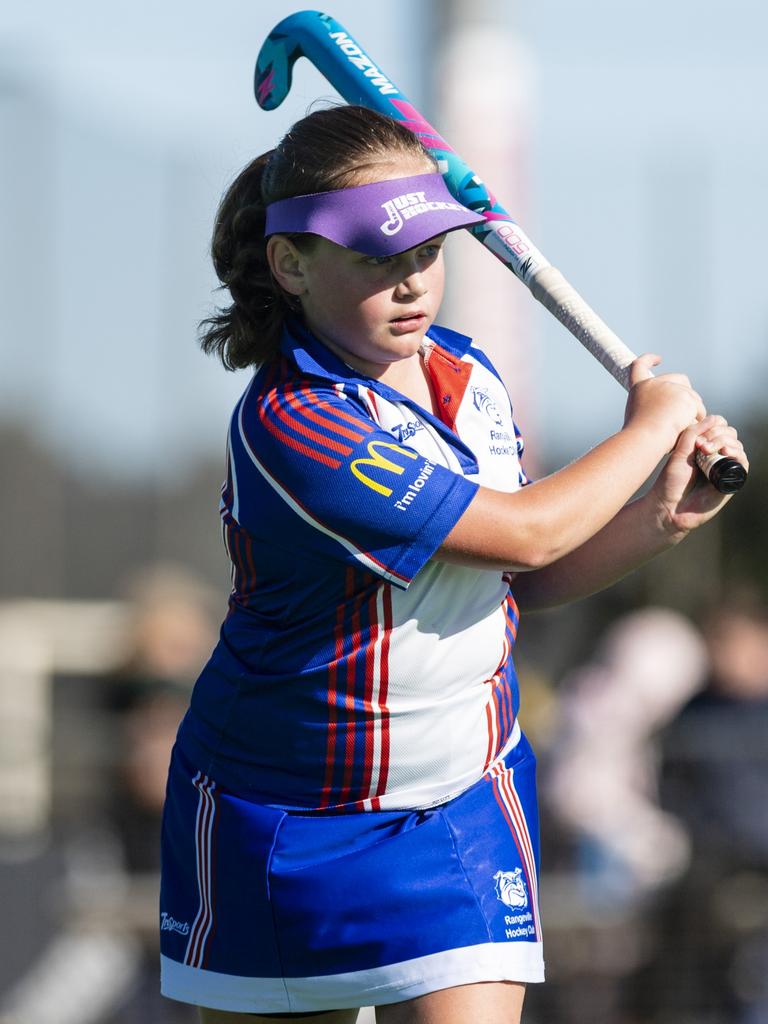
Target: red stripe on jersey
{"points": [[491, 745], [384, 691], [499, 721], [323, 421], [502, 804], [298, 426], [512, 801], [450, 377], [202, 810], [349, 701], [295, 402], [499, 697], [233, 550], [527, 865], [340, 413], [332, 699], [246, 583], [208, 940], [230, 541], [512, 614], [293, 443], [370, 714], [516, 811], [374, 403], [203, 841]]}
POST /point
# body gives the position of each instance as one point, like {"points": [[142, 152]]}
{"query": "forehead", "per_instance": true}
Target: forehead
{"points": [[388, 168]]}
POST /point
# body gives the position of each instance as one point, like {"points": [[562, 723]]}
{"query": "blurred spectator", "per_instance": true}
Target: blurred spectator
{"points": [[170, 638], [602, 781], [712, 935], [609, 848], [100, 962]]}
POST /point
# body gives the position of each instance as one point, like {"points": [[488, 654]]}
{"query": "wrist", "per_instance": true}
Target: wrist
{"points": [[644, 431], [659, 518]]}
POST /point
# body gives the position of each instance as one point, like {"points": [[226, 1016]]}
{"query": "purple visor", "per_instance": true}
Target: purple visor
{"points": [[382, 219]]}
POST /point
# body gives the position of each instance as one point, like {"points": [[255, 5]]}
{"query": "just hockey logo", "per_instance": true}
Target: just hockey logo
{"points": [[410, 204]]}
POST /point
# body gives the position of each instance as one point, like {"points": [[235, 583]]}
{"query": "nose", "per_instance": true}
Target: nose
{"points": [[412, 285]]}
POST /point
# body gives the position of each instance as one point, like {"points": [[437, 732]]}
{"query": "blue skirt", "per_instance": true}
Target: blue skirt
{"points": [[264, 911]]}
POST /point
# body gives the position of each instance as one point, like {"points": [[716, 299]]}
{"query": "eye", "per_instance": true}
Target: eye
{"points": [[431, 250], [378, 261]]}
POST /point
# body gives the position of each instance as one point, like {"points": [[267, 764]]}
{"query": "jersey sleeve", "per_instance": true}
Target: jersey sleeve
{"points": [[311, 469]]}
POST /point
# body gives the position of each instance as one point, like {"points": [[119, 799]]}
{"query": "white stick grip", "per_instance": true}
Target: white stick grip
{"points": [[563, 301]]}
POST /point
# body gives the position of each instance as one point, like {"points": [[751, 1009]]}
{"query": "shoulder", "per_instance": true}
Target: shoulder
{"points": [[279, 384], [285, 413]]}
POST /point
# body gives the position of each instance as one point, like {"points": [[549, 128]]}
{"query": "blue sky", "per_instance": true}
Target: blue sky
{"points": [[646, 168]]}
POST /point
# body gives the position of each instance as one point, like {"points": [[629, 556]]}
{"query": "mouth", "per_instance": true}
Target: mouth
{"points": [[409, 321]]}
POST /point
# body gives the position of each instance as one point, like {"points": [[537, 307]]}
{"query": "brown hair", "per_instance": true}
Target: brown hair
{"points": [[327, 150]]}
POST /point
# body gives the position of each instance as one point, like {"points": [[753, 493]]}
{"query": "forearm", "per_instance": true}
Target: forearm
{"points": [[635, 535], [544, 522]]}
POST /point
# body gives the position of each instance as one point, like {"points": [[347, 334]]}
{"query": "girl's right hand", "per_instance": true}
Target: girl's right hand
{"points": [[664, 405], [542, 523]]}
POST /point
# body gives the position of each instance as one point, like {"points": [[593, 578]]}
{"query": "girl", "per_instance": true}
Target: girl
{"points": [[351, 816]]}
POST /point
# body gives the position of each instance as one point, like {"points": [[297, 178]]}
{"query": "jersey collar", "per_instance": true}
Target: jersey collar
{"points": [[311, 357]]}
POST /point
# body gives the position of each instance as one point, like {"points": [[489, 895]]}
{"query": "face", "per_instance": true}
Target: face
{"points": [[372, 311]]}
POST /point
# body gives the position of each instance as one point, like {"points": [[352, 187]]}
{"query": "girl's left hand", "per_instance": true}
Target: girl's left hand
{"points": [[684, 499]]}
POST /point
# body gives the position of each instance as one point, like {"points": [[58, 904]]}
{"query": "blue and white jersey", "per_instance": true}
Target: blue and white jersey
{"points": [[355, 672]]}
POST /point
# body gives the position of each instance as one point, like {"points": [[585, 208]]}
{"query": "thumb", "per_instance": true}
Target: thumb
{"points": [[641, 367]]}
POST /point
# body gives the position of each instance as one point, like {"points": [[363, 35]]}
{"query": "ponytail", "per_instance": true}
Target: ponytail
{"points": [[327, 150], [248, 331]]}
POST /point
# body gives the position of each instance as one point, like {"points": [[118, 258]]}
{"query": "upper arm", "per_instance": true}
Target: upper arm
{"points": [[499, 530], [313, 471]]}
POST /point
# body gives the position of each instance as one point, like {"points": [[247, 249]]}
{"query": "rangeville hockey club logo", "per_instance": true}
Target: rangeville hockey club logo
{"points": [[510, 888], [481, 399], [410, 204]]}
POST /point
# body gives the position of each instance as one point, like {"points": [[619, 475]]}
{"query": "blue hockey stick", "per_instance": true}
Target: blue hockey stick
{"points": [[327, 44]]}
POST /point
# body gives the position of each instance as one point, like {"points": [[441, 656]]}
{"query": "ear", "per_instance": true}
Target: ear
{"points": [[286, 263]]}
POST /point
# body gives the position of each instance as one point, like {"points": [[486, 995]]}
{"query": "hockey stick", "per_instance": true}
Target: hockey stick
{"points": [[323, 41]]}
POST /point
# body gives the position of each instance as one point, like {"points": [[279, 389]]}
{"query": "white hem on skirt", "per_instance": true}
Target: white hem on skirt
{"points": [[393, 983]]}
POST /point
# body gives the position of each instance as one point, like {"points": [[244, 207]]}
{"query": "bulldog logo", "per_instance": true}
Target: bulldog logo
{"points": [[483, 401], [510, 888]]}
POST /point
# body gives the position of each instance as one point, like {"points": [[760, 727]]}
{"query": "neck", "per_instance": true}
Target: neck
{"points": [[411, 378]]}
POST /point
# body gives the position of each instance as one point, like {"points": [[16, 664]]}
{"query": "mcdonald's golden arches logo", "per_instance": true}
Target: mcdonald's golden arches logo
{"points": [[379, 461]]}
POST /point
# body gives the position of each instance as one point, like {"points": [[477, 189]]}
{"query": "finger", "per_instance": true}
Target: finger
{"points": [[724, 446], [676, 378], [701, 409], [640, 369], [711, 421], [692, 438], [724, 442], [718, 435]]}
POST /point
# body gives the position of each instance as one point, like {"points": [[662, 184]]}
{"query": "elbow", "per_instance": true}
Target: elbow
{"points": [[530, 557], [537, 548]]}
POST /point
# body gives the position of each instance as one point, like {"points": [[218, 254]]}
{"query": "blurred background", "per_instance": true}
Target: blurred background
{"points": [[629, 141]]}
